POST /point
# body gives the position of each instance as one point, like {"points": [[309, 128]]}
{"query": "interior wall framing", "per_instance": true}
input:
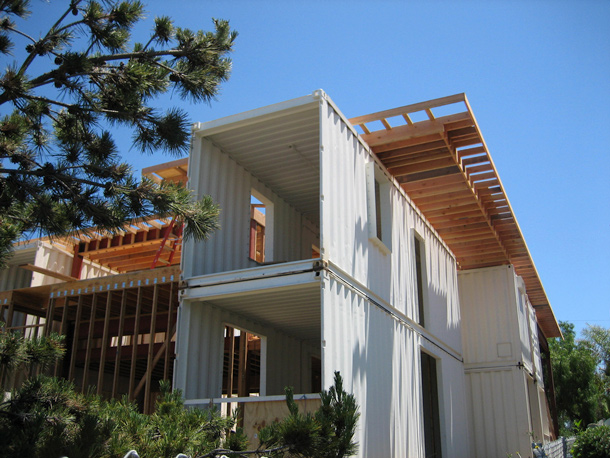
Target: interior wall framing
{"points": [[119, 331]]}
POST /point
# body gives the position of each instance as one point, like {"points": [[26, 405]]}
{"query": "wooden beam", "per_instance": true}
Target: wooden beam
{"points": [[134, 343], [425, 176], [422, 166], [79, 311], [89, 342], [105, 343], [415, 107], [407, 142], [419, 129], [117, 360], [168, 335], [151, 349], [411, 150], [47, 272]]}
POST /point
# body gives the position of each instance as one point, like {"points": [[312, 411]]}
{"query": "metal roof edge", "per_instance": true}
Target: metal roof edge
{"points": [[257, 115]]}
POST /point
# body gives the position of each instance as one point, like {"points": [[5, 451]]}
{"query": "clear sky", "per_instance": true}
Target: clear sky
{"points": [[536, 73]]}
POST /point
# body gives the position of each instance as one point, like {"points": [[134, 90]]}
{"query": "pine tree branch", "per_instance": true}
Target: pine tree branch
{"points": [[43, 173], [19, 32], [30, 58]]}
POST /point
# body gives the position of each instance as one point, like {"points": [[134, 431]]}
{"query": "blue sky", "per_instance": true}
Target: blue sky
{"points": [[536, 73]]}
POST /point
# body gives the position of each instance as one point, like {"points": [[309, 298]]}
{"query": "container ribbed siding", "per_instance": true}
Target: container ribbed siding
{"points": [[500, 422], [14, 277], [346, 240], [498, 328], [502, 361], [368, 306], [230, 186]]}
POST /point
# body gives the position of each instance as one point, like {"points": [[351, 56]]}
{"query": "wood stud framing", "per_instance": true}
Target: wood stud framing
{"points": [[120, 327], [443, 164]]}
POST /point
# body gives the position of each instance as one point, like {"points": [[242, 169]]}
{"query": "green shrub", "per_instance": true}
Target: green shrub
{"points": [[593, 443]]}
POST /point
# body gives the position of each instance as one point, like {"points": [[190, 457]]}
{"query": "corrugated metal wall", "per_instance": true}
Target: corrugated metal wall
{"points": [[379, 358], [14, 277], [200, 350], [53, 259], [500, 333], [489, 316], [379, 361], [214, 173], [498, 411], [346, 240]]}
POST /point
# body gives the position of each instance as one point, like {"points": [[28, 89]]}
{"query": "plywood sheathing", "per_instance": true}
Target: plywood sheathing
{"points": [[437, 154]]}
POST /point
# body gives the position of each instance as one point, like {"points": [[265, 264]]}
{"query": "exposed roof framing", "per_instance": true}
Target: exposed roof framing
{"points": [[436, 151], [175, 171]]}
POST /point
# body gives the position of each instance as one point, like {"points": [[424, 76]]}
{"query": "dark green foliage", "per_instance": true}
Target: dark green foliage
{"points": [[17, 353], [593, 443], [338, 417], [60, 170], [170, 430], [579, 389], [46, 417], [329, 433]]}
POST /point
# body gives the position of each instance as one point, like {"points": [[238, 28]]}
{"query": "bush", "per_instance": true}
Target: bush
{"points": [[593, 443]]}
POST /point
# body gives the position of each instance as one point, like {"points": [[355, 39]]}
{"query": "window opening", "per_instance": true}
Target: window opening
{"points": [[257, 229], [420, 269], [378, 210], [261, 228], [430, 399], [379, 207]]}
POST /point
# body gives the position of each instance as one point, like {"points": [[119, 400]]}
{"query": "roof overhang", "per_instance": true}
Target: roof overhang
{"points": [[436, 152]]}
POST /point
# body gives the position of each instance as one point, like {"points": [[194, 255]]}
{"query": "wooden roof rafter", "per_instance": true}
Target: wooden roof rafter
{"points": [[443, 164]]}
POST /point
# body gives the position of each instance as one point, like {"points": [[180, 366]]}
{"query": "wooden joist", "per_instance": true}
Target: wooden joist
{"points": [[443, 164]]}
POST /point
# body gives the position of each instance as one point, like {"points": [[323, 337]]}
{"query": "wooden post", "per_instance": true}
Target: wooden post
{"points": [[9, 315], [117, 360], [134, 345], [231, 337], [79, 313], [151, 349], [105, 343], [242, 388], [168, 335], [63, 329], [89, 342]]}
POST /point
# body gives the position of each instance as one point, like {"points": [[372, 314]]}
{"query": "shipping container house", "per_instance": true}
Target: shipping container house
{"points": [[367, 234]]}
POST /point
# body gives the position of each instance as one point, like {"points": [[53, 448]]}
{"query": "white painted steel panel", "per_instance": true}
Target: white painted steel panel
{"points": [[499, 413], [51, 258], [14, 277], [346, 240], [489, 316], [219, 172], [523, 319], [379, 358], [535, 345]]}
